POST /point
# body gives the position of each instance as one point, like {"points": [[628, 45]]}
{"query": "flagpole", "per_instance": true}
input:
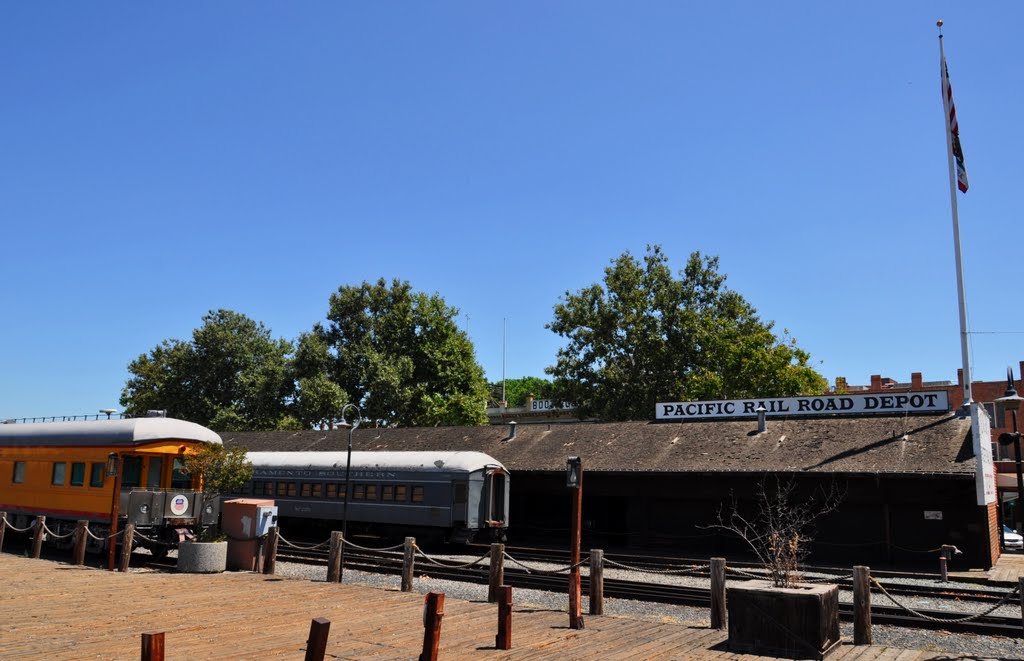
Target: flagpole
{"points": [[947, 107]]}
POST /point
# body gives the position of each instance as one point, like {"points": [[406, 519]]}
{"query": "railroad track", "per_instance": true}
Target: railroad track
{"points": [[684, 595]]}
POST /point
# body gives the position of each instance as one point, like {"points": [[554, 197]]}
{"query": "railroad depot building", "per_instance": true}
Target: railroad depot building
{"points": [[906, 464]]}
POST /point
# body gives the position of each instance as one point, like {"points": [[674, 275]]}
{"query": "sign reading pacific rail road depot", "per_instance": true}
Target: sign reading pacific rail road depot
{"points": [[905, 402]]}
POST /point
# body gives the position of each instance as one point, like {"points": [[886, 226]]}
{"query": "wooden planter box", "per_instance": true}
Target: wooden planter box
{"points": [[796, 623]]}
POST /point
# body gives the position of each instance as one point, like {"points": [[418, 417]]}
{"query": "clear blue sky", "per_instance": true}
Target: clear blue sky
{"points": [[157, 162]]}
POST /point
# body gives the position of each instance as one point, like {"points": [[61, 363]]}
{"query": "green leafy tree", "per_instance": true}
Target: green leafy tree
{"points": [[398, 354], [231, 376], [517, 390], [646, 335]]}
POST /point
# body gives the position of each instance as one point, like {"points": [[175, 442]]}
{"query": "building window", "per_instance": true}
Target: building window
{"points": [[417, 494], [387, 492], [19, 472], [96, 473], [59, 469], [990, 408], [78, 474]]}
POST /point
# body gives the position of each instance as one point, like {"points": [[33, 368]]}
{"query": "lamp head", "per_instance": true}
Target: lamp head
{"points": [[572, 472], [1010, 400]]}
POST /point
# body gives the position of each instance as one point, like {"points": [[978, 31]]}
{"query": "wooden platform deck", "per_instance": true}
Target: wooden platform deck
{"points": [[50, 610]]}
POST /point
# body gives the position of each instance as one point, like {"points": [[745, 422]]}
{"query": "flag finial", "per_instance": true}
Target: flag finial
{"points": [[939, 24]]}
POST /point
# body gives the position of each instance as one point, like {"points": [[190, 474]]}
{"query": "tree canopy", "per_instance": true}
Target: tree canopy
{"points": [[516, 390], [398, 354], [231, 375], [645, 335]]}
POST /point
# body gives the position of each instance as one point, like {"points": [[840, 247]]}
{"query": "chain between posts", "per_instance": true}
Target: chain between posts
{"points": [[546, 571], [11, 526], [49, 532], [301, 547], [99, 538], [682, 571], [467, 565]]}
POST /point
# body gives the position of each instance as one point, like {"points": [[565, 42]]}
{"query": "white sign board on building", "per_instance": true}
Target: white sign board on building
{"points": [[985, 471], [859, 404], [551, 405]]}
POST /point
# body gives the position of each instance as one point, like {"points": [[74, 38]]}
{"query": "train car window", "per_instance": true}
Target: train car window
{"points": [[59, 468], [400, 490], [318, 490], [282, 488], [268, 488], [307, 489], [154, 472], [293, 488], [358, 492], [96, 473], [179, 478], [387, 492], [78, 474], [460, 493], [19, 472], [131, 471], [371, 492], [417, 494], [332, 490]]}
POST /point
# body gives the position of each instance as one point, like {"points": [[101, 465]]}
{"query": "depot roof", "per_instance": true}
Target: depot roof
{"points": [[930, 443]]}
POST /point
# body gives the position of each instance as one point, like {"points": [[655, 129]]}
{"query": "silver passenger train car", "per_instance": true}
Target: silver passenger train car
{"points": [[455, 495]]}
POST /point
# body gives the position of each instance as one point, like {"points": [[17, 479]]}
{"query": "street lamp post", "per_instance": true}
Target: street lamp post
{"points": [[574, 481], [1011, 402], [115, 506], [348, 470]]}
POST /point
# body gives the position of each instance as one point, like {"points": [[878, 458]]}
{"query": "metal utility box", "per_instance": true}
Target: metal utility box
{"points": [[245, 521]]}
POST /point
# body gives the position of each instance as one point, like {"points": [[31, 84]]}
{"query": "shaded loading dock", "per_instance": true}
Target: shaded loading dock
{"points": [[908, 480]]}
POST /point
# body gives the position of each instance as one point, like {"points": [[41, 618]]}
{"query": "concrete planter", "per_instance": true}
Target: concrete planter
{"points": [[202, 557], [796, 623]]}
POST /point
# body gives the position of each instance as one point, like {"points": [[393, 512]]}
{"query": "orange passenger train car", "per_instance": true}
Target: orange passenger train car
{"points": [[67, 471]]}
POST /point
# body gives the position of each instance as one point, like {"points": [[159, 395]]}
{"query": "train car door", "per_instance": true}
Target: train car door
{"points": [[497, 497]]}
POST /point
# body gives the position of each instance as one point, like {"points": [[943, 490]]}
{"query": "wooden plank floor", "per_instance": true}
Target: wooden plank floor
{"points": [[50, 610]]}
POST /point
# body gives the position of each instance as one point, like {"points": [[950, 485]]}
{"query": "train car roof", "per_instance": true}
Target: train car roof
{"points": [[128, 432], [425, 461]]}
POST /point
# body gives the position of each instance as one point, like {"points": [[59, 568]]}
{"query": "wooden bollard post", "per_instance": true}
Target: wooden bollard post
{"points": [[153, 646], [408, 564], [861, 605], [596, 582], [37, 537], [316, 646], [126, 547], [497, 572], [3, 527], [717, 593], [270, 554], [503, 641], [81, 537], [433, 612], [334, 558]]}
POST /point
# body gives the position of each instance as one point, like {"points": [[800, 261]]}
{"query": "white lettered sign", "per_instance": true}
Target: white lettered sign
{"points": [[904, 402]]}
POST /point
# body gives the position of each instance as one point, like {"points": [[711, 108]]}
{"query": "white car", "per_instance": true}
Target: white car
{"points": [[1011, 540]]}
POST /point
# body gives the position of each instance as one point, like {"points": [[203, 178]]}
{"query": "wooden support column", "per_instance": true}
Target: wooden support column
{"points": [[3, 527], [37, 536], [718, 593], [153, 646], [81, 538], [433, 612], [596, 582], [503, 641], [409, 564], [126, 547], [316, 645], [497, 572], [270, 555], [575, 596], [861, 605], [334, 558]]}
